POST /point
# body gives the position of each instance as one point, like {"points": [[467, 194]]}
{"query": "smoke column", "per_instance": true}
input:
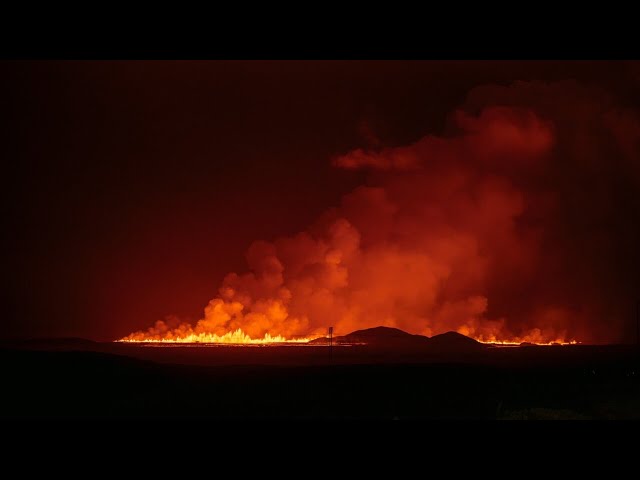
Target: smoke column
{"points": [[519, 222]]}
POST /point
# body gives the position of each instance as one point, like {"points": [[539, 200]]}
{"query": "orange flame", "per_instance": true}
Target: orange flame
{"points": [[516, 341], [237, 337], [495, 333]]}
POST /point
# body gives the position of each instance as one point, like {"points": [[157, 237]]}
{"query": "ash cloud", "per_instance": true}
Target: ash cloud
{"points": [[520, 221]]}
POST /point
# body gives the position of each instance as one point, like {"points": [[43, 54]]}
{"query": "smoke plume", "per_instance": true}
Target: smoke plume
{"points": [[519, 221]]}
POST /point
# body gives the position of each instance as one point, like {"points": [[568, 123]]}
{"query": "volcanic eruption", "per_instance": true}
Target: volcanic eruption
{"points": [[502, 228]]}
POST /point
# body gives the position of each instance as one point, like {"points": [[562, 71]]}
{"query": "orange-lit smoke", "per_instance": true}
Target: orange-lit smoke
{"points": [[452, 232]]}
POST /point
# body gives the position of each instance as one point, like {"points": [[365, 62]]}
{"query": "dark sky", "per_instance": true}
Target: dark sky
{"points": [[131, 188]]}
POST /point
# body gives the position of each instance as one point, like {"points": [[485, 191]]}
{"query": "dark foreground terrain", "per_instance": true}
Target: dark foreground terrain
{"points": [[85, 379]]}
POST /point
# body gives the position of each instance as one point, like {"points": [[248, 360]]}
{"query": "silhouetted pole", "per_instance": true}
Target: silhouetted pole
{"points": [[331, 344]]}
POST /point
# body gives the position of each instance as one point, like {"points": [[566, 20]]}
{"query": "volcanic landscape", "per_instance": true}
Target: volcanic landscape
{"points": [[378, 373], [321, 239]]}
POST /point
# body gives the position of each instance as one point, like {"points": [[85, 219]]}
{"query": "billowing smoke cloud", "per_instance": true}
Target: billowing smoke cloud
{"points": [[520, 222]]}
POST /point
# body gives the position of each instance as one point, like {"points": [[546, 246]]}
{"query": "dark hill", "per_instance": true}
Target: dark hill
{"points": [[377, 336], [387, 337], [381, 332], [384, 335], [453, 342]]}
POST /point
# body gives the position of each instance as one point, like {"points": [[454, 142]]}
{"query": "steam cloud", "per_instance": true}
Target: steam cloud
{"points": [[521, 221]]}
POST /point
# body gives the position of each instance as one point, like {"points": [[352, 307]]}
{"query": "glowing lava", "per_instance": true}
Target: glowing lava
{"points": [[237, 337], [514, 342]]}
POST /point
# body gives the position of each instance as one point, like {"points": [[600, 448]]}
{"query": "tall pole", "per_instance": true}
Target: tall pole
{"points": [[638, 325], [331, 344]]}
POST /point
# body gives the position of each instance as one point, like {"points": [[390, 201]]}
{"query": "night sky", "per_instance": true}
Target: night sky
{"points": [[132, 188]]}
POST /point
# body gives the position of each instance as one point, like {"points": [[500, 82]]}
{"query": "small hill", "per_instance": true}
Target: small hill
{"points": [[453, 342], [384, 335], [394, 338], [377, 337]]}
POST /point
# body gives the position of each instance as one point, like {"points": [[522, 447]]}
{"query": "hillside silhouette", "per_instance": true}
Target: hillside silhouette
{"points": [[388, 337]]}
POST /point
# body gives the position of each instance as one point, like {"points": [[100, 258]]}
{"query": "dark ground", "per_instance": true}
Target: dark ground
{"points": [[85, 379]]}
